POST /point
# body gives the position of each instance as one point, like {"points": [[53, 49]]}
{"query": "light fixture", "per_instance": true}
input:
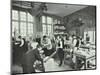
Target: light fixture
{"points": [[43, 7]]}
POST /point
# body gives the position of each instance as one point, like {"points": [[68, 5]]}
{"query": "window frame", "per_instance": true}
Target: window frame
{"points": [[46, 23], [24, 21]]}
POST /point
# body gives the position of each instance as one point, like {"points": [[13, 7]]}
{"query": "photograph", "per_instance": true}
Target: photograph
{"points": [[52, 37]]}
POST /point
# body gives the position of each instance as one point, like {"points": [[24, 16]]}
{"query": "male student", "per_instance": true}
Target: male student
{"points": [[29, 60]]}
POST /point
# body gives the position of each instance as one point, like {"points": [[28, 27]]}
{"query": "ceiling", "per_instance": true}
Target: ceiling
{"points": [[52, 8], [63, 9]]}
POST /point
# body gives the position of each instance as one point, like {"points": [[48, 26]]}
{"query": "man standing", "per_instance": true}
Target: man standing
{"points": [[60, 50], [74, 42]]}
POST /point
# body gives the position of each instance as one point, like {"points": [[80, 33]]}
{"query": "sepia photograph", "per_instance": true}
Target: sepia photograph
{"points": [[52, 37]]}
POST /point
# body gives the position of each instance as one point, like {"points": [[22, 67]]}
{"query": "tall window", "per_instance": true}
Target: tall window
{"points": [[44, 29], [49, 20], [22, 16], [49, 29], [15, 27], [30, 24], [56, 21], [15, 23], [23, 29], [30, 18], [44, 19], [22, 23], [15, 15], [91, 34], [30, 28], [47, 24]]}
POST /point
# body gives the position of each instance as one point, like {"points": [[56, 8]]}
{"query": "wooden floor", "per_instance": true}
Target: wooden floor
{"points": [[52, 65]]}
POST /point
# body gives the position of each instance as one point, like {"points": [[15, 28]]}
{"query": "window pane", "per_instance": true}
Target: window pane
{"points": [[90, 33], [85, 32], [49, 20], [58, 22], [15, 27], [44, 29], [30, 18], [23, 16], [49, 29], [14, 15], [30, 28], [23, 28], [43, 19], [55, 21]]}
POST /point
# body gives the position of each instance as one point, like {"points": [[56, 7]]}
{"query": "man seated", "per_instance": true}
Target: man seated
{"points": [[47, 46], [29, 60]]}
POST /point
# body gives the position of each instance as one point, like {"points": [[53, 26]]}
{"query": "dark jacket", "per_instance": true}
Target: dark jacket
{"points": [[28, 60], [60, 53], [77, 43], [16, 53]]}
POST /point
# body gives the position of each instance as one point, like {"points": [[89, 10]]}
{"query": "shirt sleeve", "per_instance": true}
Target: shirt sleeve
{"points": [[49, 41], [74, 42], [61, 45], [22, 43]]}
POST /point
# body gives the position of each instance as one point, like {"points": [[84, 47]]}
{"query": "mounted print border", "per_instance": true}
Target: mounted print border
{"points": [[52, 37]]}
